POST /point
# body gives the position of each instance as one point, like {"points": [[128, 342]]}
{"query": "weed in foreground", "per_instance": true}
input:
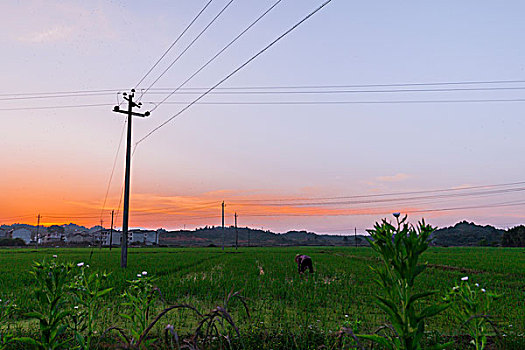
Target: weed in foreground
{"points": [[400, 249], [471, 307]]}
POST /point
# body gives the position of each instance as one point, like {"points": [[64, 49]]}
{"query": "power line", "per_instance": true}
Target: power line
{"points": [[261, 91], [113, 168], [234, 71], [479, 82], [240, 103], [76, 93], [58, 92], [57, 107], [452, 189], [34, 97], [187, 48], [219, 53], [387, 200], [275, 103], [497, 205], [376, 212], [198, 207], [327, 92], [175, 42]]}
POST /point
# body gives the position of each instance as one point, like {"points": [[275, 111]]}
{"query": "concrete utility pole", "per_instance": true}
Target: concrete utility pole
{"points": [[223, 233], [355, 236], [125, 216], [37, 229], [236, 233], [111, 230]]}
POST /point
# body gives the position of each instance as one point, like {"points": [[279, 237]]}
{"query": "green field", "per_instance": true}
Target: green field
{"points": [[287, 310]]}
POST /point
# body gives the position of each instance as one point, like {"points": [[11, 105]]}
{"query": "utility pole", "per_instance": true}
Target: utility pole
{"points": [[355, 236], [223, 233], [111, 231], [37, 229], [236, 233], [125, 216]]}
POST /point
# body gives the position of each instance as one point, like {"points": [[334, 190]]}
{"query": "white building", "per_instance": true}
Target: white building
{"points": [[144, 237], [139, 237], [107, 237]]}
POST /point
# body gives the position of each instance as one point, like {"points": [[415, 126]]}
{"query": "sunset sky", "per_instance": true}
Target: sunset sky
{"points": [[270, 141]]}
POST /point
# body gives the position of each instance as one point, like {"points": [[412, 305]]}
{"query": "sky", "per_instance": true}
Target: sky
{"points": [[270, 141]]}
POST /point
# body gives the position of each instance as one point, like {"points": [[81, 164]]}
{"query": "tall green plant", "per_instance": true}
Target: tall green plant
{"points": [[50, 294], [471, 307], [139, 300], [87, 289], [400, 249]]}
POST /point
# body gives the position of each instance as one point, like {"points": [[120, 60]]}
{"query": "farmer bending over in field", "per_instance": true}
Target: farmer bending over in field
{"points": [[304, 262]]}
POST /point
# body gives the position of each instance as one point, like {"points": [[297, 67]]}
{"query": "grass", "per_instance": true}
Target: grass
{"points": [[286, 308]]}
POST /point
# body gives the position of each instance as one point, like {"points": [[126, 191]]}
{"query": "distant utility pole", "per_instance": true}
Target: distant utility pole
{"points": [[355, 236], [111, 230], [223, 234], [236, 233], [37, 229], [125, 216]]}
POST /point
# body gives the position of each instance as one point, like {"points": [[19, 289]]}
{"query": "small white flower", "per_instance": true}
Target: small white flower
{"points": [[139, 275], [464, 278], [87, 265], [144, 273], [346, 316], [76, 307], [483, 290], [0, 300], [477, 284], [80, 264], [55, 256], [455, 288]]}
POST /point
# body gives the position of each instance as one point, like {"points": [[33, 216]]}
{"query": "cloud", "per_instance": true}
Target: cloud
{"points": [[393, 178], [48, 35], [50, 21]]}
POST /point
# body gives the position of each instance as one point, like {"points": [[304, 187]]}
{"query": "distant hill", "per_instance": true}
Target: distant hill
{"points": [[461, 234], [467, 234], [216, 236]]}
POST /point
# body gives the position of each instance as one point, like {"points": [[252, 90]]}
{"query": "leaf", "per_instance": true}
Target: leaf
{"points": [[417, 296], [390, 308], [29, 341], [377, 339], [128, 317], [103, 292], [35, 314], [432, 311]]}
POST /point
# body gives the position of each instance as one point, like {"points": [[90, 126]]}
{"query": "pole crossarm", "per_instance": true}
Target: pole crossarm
{"points": [[135, 114]]}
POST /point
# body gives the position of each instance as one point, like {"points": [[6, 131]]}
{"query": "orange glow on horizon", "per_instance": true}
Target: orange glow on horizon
{"points": [[155, 211]]}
